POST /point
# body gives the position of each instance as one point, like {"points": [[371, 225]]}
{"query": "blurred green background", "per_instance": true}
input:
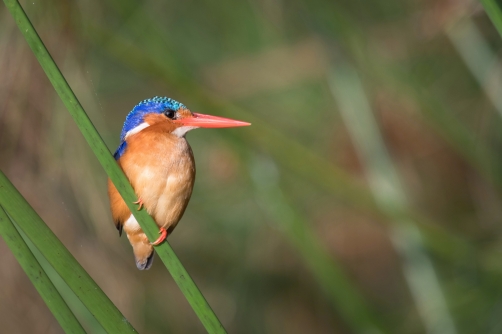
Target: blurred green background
{"points": [[365, 197]]}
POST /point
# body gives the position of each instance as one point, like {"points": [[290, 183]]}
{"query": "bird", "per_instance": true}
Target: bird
{"points": [[159, 163]]}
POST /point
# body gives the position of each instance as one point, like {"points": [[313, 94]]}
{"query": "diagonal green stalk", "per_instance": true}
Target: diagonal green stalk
{"points": [[37, 276], [494, 13], [61, 259], [165, 252], [88, 321]]}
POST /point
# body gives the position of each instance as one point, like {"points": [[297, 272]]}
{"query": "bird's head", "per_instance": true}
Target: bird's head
{"points": [[172, 114], [179, 118]]}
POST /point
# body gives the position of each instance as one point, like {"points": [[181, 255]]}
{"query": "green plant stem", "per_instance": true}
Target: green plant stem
{"points": [[88, 321], [165, 252], [37, 276], [61, 259]]}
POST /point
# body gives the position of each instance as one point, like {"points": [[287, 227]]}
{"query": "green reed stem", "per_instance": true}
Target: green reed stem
{"points": [[61, 259], [37, 276], [165, 252]]}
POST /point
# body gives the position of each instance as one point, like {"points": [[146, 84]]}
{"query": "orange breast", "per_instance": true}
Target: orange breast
{"points": [[161, 169]]}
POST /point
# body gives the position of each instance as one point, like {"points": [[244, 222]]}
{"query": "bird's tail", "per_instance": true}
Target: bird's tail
{"points": [[144, 253]]}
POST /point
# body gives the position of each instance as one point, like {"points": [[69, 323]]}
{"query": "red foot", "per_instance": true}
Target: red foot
{"points": [[163, 236], [140, 202]]}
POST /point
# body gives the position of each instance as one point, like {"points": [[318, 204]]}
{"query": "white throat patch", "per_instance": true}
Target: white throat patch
{"points": [[136, 129], [182, 130]]}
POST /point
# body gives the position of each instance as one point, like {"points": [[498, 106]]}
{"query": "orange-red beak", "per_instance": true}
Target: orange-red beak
{"points": [[208, 121]]}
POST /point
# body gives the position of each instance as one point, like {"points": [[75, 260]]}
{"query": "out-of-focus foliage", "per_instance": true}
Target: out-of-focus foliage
{"points": [[283, 206]]}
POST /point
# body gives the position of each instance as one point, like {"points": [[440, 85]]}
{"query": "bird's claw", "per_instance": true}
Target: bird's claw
{"points": [[140, 202], [163, 236]]}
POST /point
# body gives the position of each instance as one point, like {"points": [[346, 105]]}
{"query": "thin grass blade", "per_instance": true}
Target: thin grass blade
{"points": [[37, 276], [88, 321], [165, 252], [61, 259]]}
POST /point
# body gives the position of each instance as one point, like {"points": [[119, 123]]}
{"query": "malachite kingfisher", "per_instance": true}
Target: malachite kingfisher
{"points": [[159, 163]]}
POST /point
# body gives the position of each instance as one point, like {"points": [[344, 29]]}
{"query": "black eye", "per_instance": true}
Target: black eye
{"points": [[170, 113]]}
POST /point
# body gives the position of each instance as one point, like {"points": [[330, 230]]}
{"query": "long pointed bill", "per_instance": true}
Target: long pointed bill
{"points": [[208, 121]]}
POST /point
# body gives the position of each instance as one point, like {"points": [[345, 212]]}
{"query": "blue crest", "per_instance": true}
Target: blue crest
{"points": [[136, 116]]}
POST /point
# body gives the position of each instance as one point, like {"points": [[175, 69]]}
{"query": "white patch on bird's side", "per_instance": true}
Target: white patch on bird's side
{"points": [[148, 174], [137, 129], [131, 224], [182, 130]]}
